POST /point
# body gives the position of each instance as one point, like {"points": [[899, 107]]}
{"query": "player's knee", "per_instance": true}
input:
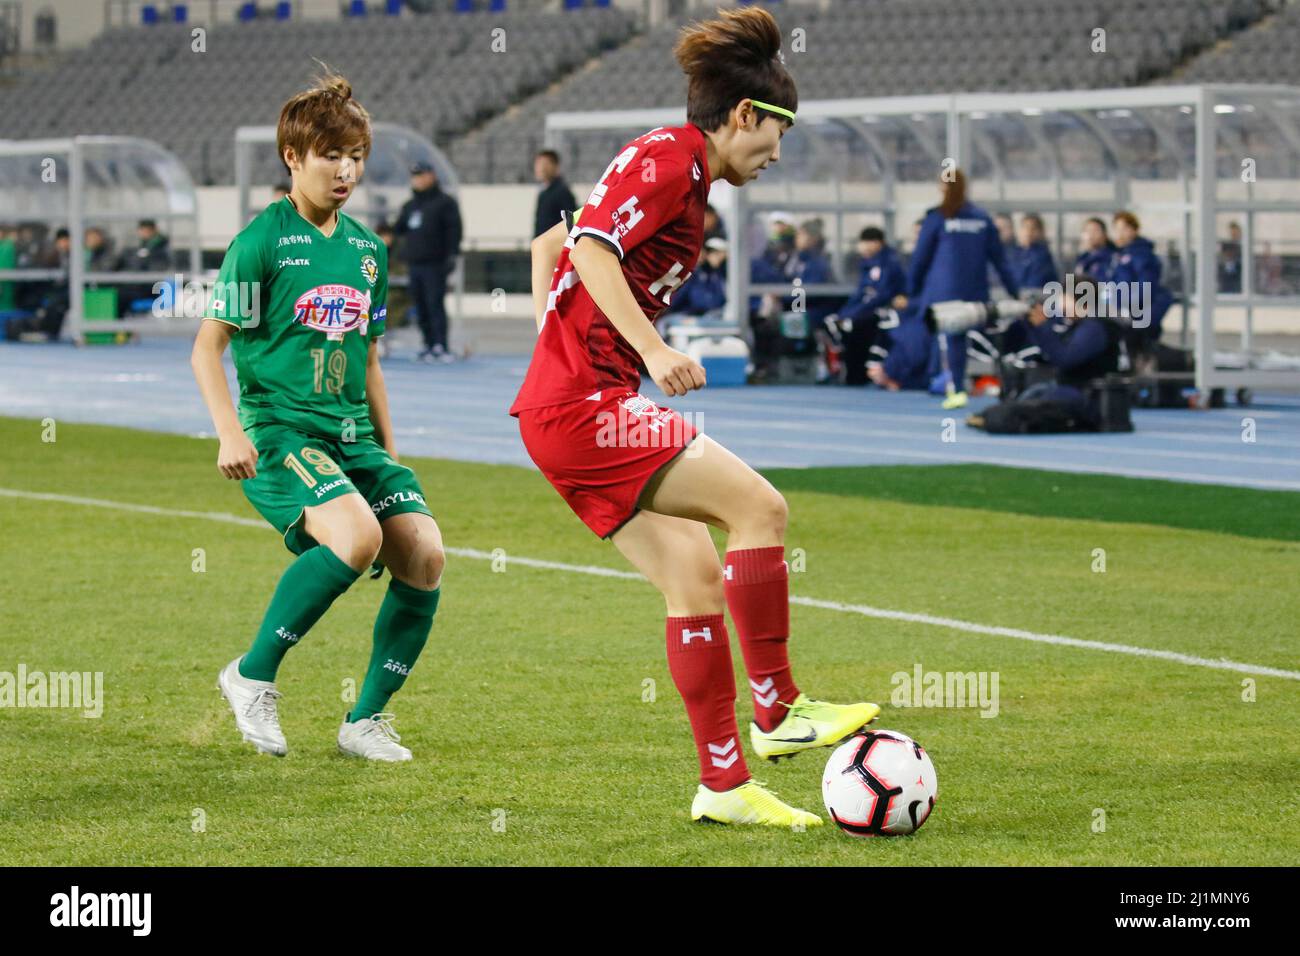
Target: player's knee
{"points": [[428, 567], [700, 589], [771, 513], [710, 578], [370, 539], [357, 542]]}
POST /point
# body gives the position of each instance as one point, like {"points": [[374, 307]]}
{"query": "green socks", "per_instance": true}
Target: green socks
{"points": [[305, 592], [401, 628]]}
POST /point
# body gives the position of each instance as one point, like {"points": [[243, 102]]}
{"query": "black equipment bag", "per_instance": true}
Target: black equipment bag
{"points": [[1034, 417], [1112, 398], [1014, 378]]}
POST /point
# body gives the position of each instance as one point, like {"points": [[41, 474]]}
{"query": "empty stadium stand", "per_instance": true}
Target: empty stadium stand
{"points": [[888, 48], [1264, 53], [429, 72]]}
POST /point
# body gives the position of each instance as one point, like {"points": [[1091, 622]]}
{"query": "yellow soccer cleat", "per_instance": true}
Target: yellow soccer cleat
{"points": [[955, 400], [810, 724], [749, 803]]}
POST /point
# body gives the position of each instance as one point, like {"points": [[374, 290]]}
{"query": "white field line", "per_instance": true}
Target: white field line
{"points": [[597, 571]]}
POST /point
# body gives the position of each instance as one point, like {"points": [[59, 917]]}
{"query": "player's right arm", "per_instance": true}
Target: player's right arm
{"points": [[601, 272], [240, 283], [237, 457], [640, 192]]}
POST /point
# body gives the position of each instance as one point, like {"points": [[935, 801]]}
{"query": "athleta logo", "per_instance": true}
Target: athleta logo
{"points": [[379, 507], [330, 486], [397, 667], [723, 756], [286, 635], [335, 309], [687, 634]]}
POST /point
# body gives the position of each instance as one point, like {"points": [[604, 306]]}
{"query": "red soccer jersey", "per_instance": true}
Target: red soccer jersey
{"points": [[648, 208]]}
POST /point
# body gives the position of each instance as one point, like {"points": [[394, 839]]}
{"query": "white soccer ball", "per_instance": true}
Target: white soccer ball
{"points": [[879, 783]]}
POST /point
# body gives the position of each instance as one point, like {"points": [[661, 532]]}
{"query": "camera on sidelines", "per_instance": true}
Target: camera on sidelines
{"points": [[957, 316]]}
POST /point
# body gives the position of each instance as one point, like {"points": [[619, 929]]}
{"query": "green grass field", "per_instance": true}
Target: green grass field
{"points": [[528, 706]]}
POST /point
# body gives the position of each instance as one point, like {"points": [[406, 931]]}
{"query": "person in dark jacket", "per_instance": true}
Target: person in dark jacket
{"points": [[1230, 260], [555, 197], [1135, 282], [713, 227], [1081, 350], [1029, 258], [901, 355], [880, 281], [1095, 259], [429, 225], [152, 253], [957, 243], [706, 289], [811, 266]]}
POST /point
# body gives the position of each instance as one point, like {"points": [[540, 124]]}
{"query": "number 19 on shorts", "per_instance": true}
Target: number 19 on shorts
{"points": [[322, 462]]}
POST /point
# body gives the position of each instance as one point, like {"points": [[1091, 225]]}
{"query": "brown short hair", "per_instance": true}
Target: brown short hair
{"points": [[1127, 217], [735, 57], [322, 118]]}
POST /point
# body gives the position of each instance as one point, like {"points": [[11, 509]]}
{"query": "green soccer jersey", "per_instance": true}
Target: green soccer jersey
{"points": [[307, 307]]}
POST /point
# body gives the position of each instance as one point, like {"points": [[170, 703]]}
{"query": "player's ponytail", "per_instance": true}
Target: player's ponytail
{"points": [[322, 118], [734, 57], [330, 82]]}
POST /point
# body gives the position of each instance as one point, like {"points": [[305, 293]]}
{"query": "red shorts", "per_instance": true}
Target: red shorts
{"points": [[600, 452]]}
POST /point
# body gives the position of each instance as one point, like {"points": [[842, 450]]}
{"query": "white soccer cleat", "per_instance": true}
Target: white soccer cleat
{"points": [[373, 738], [254, 704]]}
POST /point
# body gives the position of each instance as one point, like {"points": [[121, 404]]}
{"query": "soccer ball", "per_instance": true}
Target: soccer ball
{"points": [[879, 783]]}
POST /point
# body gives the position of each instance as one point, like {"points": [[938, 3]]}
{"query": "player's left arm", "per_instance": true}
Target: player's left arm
{"points": [[546, 250], [376, 390], [377, 398]]}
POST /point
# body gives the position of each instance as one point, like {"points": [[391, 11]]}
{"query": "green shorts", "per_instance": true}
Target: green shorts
{"points": [[296, 470]]}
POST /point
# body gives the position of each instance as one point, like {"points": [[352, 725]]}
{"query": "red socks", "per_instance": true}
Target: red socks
{"points": [[757, 585], [699, 659]]}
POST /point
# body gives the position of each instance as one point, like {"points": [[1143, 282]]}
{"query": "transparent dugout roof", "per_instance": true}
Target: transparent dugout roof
{"points": [[122, 177], [1079, 136]]}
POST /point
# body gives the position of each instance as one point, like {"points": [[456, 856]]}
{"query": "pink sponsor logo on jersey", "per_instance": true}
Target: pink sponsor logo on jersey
{"points": [[335, 309]]}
